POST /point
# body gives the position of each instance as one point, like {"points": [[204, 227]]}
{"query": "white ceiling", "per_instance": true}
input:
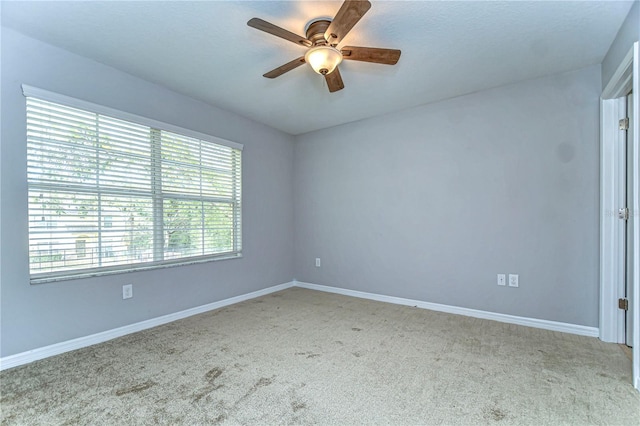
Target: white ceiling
{"points": [[206, 51]]}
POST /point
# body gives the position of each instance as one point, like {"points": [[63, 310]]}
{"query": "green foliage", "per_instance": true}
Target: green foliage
{"points": [[50, 204], [45, 258], [180, 219], [137, 212]]}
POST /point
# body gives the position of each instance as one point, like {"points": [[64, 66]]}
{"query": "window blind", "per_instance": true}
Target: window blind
{"points": [[107, 194]]}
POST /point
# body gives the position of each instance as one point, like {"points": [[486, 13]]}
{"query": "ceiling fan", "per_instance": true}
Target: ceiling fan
{"points": [[322, 39]]}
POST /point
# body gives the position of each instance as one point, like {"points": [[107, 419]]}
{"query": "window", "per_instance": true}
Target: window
{"points": [[81, 248], [119, 194]]}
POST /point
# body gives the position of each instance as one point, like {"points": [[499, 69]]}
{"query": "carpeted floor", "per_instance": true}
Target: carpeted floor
{"points": [[306, 357]]}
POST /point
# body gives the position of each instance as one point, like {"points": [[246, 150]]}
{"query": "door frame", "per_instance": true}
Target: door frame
{"points": [[611, 324]]}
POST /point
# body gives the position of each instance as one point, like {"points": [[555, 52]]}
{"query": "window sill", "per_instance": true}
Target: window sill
{"points": [[90, 273]]}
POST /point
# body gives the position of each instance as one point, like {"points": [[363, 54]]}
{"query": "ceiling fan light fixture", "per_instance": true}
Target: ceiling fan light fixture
{"points": [[323, 59], [322, 35]]}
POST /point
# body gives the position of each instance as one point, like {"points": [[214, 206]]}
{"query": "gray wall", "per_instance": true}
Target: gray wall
{"points": [[428, 203], [628, 34], [431, 203], [37, 315]]}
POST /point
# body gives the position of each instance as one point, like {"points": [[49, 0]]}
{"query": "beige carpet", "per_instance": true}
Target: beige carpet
{"points": [[305, 357]]}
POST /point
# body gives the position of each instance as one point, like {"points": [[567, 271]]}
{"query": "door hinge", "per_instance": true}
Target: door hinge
{"points": [[623, 213], [623, 304], [623, 124]]}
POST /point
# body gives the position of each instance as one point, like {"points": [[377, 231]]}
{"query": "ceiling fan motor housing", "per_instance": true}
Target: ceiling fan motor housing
{"points": [[316, 30]]}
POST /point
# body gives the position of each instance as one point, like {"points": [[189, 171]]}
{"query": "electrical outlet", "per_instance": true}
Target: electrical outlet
{"points": [[127, 291], [513, 280], [317, 262], [502, 279]]}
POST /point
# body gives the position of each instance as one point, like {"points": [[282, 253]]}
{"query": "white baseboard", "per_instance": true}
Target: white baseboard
{"points": [[81, 342], [511, 319]]}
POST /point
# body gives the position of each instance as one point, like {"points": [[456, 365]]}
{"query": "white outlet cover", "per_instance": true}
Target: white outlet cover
{"points": [[317, 262], [502, 279], [127, 291], [513, 280]]}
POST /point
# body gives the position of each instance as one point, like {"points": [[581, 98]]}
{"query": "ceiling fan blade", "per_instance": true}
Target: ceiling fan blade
{"points": [[371, 54], [349, 14], [334, 81], [277, 72], [275, 30]]}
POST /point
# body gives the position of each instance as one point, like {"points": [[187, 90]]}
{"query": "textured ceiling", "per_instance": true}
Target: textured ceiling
{"points": [[206, 51]]}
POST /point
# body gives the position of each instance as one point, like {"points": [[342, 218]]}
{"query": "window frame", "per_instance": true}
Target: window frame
{"points": [[42, 277]]}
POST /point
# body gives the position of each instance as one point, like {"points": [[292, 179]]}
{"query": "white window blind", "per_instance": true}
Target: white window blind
{"points": [[107, 194]]}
